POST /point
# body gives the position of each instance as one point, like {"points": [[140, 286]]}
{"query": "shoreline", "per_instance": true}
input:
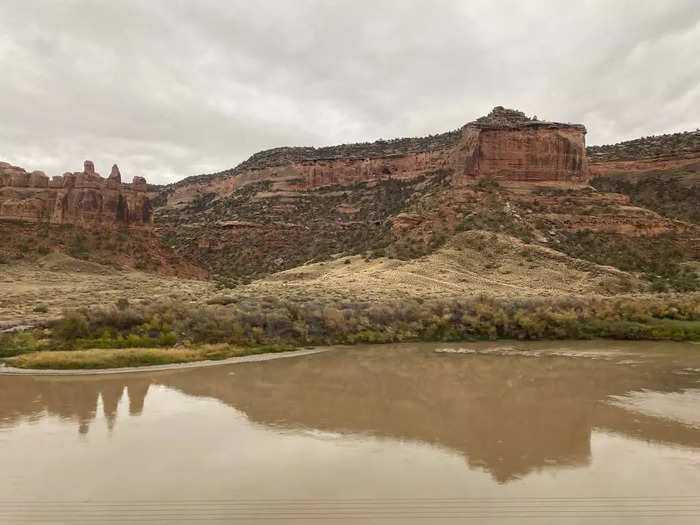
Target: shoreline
{"points": [[9, 370]]}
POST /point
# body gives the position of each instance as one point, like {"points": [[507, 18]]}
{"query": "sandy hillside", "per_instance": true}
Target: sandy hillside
{"points": [[57, 282], [472, 263]]}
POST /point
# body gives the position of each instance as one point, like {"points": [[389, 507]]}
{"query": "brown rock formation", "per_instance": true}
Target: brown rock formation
{"points": [[88, 167], [505, 145], [82, 198], [646, 154], [407, 197]]}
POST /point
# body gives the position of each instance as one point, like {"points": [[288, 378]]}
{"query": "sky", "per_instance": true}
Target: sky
{"points": [[172, 88]]}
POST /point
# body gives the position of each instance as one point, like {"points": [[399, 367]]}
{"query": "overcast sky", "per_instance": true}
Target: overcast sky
{"points": [[169, 88]]}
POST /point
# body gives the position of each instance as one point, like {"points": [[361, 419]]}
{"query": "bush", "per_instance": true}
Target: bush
{"points": [[271, 321], [122, 304], [17, 343], [72, 326], [222, 300]]}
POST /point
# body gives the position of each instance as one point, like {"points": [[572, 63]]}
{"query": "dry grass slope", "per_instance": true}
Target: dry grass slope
{"points": [[41, 290], [470, 264]]}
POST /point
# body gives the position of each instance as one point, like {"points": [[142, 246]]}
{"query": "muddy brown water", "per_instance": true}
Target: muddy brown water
{"points": [[565, 432]]}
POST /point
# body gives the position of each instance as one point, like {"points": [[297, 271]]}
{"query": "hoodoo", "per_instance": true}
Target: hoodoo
{"points": [[82, 198]]}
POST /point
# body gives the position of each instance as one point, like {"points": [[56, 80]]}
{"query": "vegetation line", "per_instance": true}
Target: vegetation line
{"points": [[52, 363], [125, 335]]}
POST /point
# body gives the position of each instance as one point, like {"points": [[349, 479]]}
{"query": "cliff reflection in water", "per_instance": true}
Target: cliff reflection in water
{"points": [[507, 414], [74, 399]]}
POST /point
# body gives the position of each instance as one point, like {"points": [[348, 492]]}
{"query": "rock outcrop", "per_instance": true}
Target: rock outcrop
{"points": [[505, 145], [646, 154], [503, 173], [83, 198], [508, 146]]}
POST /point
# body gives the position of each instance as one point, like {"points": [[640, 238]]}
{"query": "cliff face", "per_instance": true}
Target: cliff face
{"points": [[405, 198], [82, 198], [646, 154], [109, 221], [505, 145]]}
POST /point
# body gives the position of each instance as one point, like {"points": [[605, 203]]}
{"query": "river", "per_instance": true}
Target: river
{"points": [[504, 432]]}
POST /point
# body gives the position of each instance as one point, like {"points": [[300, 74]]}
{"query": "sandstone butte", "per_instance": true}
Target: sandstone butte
{"points": [[505, 145], [81, 198], [285, 206]]}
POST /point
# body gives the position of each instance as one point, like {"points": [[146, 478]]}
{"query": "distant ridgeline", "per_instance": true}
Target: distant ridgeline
{"points": [[359, 151], [656, 153], [675, 144], [505, 144]]}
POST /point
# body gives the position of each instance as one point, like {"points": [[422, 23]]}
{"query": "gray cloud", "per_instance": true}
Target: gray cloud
{"points": [[174, 88]]}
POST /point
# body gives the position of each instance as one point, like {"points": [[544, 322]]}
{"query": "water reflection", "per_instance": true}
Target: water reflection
{"points": [[507, 414], [74, 399]]}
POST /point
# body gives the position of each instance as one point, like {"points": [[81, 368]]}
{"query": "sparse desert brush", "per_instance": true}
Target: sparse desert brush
{"points": [[222, 300], [71, 326]]}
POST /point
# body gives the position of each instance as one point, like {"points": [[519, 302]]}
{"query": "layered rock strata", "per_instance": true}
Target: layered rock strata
{"points": [[508, 146], [405, 198], [505, 145], [646, 154], [83, 198]]}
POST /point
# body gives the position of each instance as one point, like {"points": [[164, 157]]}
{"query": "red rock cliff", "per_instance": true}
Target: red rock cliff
{"points": [[646, 154], [83, 198], [508, 146], [504, 145]]}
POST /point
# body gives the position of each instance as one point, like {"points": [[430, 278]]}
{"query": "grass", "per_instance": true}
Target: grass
{"points": [[674, 329], [134, 357]]}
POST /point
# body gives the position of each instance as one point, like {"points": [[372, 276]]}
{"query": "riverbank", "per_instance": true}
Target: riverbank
{"points": [[133, 335], [102, 358], [281, 354], [111, 361]]}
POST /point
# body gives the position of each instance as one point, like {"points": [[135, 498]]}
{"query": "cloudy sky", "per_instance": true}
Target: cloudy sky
{"points": [[174, 88]]}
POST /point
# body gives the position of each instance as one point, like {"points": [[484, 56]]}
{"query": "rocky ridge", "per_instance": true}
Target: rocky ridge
{"points": [[503, 173], [82, 198], [505, 145], [84, 215], [646, 153], [498, 118]]}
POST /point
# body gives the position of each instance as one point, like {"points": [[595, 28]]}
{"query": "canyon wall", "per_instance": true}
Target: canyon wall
{"points": [[405, 198], [82, 198], [547, 154], [652, 153], [504, 145]]}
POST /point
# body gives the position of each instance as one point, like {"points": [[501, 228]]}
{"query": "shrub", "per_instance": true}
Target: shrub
{"points": [[17, 343], [262, 321], [222, 299], [72, 326], [122, 304]]}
